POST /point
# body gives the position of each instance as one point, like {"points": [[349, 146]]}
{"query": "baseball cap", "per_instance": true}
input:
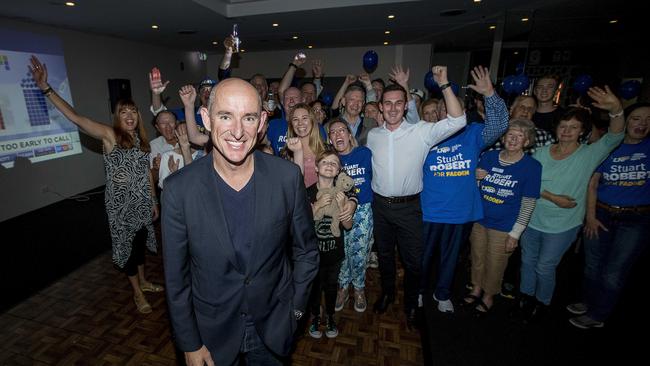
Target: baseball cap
{"points": [[417, 92], [207, 82]]}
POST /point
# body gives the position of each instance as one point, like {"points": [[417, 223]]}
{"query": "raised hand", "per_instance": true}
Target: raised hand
{"points": [[440, 74], [294, 144], [229, 44], [187, 94], [181, 134], [317, 68], [400, 76], [155, 82], [39, 72], [364, 78], [482, 83], [299, 59], [605, 99], [349, 79]]}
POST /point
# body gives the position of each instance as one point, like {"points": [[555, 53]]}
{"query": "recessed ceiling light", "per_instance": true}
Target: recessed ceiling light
{"points": [[524, 19], [391, 17], [386, 43], [613, 21], [242, 50], [310, 46], [493, 27], [275, 24], [477, 1], [215, 42], [387, 32], [70, 3], [295, 37], [516, 52], [154, 27]]}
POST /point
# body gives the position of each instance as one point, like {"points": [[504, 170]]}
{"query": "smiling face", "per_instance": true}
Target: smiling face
{"points": [[430, 113], [329, 166], [165, 124], [301, 122], [545, 89], [515, 139], [392, 107], [128, 117], [235, 119], [371, 111], [292, 96], [523, 109], [569, 131], [319, 112], [353, 103], [340, 137], [638, 123]]}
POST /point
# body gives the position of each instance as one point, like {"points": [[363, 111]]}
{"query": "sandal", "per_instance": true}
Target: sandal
{"points": [[481, 310], [151, 287], [142, 305]]}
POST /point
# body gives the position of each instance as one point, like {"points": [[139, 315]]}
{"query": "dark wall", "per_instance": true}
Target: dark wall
{"points": [[46, 244]]}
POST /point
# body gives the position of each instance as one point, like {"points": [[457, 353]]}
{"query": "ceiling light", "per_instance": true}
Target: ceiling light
{"points": [[275, 24], [492, 27], [387, 32], [295, 37], [391, 17], [477, 1], [524, 19], [386, 43], [214, 42], [242, 50], [154, 27], [613, 21], [69, 3], [310, 46], [516, 52]]}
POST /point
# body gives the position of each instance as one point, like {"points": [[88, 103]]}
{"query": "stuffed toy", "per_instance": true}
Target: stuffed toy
{"points": [[343, 184]]}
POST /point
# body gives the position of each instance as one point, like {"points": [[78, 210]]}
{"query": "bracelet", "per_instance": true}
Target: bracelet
{"points": [[615, 115], [445, 86], [292, 64], [47, 91]]}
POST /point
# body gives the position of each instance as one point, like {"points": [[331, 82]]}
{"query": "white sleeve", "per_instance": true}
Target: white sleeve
{"points": [[433, 133]]}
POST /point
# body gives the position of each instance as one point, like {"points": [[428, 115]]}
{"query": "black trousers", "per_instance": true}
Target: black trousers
{"points": [[326, 281], [137, 253], [399, 224]]}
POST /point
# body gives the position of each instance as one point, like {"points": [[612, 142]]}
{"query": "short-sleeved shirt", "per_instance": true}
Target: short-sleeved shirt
{"points": [[625, 176], [504, 187], [159, 146], [569, 176], [358, 165]]}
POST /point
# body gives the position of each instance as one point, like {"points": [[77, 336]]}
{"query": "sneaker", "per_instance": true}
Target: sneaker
{"points": [[332, 331], [585, 322], [360, 303], [444, 306], [508, 291], [342, 297], [578, 308], [373, 261], [314, 331]]}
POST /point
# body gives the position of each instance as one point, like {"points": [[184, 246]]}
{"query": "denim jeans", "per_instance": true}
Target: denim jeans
{"points": [[610, 257], [540, 254], [254, 352]]}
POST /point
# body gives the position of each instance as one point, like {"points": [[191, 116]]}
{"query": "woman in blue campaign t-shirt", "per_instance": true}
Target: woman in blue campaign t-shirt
{"points": [[356, 162], [617, 220], [509, 188]]}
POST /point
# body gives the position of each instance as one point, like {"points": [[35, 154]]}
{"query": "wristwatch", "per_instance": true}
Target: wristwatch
{"points": [[298, 314]]}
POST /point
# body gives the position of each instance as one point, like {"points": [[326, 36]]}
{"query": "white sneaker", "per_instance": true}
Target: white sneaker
{"points": [[444, 306]]}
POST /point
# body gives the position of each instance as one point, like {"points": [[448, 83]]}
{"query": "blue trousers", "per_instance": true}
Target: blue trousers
{"points": [[253, 351], [540, 255], [610, 257]]}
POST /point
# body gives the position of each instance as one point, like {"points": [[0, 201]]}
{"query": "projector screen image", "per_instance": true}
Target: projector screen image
{"points": [[30, 127]]}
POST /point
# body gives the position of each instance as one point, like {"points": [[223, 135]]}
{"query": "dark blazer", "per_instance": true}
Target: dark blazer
{"points": [[207, 288]]}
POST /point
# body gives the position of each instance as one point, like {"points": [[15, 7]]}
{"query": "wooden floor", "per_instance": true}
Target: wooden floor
{"points": [[89, 318]]}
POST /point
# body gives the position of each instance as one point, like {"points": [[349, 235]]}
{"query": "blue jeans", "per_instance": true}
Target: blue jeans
{"points": [[254, 352], [610, 257], [540, 254]]}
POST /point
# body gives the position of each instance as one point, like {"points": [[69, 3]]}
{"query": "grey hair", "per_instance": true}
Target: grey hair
{"points": [[527, 127]]}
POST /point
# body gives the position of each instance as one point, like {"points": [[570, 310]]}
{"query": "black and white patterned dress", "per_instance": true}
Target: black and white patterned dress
{"points": [[128, 199]]}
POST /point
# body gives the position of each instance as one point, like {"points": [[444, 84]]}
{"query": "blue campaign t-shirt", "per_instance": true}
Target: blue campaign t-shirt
{"points": [[180, 115], [624, 176], [358, 165], [277, 134], [450, 195], [504, 187]]}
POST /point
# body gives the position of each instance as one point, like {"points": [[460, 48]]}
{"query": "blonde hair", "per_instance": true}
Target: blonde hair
{"points": [[315, 141], [527, 127]]}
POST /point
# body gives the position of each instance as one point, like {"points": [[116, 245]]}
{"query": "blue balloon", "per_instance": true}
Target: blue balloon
{"points": [[509, 84], [582, 83], [630, 89], [370, 61], [520, 83], [326, 97], [429, 83], [520, 68]]}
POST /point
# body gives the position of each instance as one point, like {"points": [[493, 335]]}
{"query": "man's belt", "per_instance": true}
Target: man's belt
{"points": [[399, 199]]}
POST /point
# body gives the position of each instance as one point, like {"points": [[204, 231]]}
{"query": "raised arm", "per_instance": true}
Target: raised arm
{"points": [[95, 129], [188, 96], [364, 78], [289, 74], [349, 79], [433, 133], [496, 121], [224, 67], [401, 77], [454, 108], [317, 72], [157, 87], [605, 99]]}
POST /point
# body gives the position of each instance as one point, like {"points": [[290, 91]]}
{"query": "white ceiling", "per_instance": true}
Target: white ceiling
{"points": [[337, 23]]}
